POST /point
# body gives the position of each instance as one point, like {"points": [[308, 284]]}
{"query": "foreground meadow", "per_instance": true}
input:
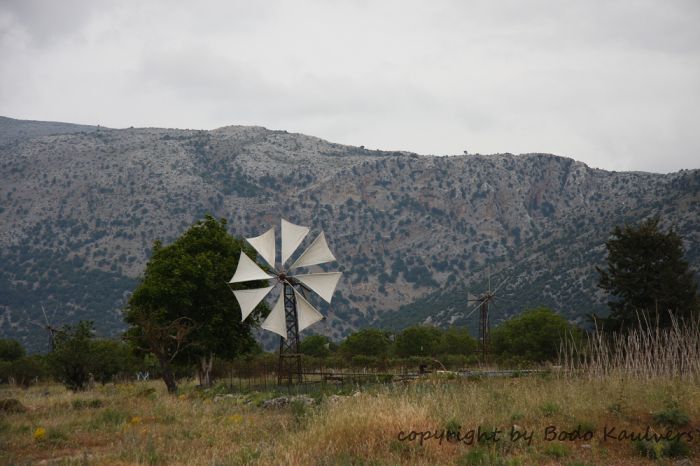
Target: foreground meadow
{"points": [[140, 424]]}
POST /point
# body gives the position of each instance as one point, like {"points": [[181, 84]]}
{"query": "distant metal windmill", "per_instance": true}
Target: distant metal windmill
{"points": [[50, 329], [483, 302]]}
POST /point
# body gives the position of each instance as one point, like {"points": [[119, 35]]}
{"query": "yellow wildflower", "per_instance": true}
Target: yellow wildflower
{"points": [[235, 419], [135, 420], [39, 434]]}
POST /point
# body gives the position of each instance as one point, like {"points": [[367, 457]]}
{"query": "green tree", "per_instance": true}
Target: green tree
{"points": [[458, 340], [366, 342], [419, 340], [183, 311], [71, 360], [25, 370], [11, 350], [647, 275], [535, 335], [316, 345], [112, 359], [78, 358]]}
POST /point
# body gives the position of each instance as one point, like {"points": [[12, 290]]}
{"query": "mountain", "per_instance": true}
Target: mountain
{"points": [[80, 207]]}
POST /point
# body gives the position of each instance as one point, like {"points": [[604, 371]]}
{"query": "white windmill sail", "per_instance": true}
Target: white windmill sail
{"points": [[276, 321], [306, 313], [248, 299], [248, 270], [265, 245], [323, 284], [317, 253], [292, 236]]}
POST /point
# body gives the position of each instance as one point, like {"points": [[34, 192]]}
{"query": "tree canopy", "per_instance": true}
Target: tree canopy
{"points": [[647, 276], [367, 342], [183, 310], [419, 340], [316, 345], [534, 335], [10, 350]]}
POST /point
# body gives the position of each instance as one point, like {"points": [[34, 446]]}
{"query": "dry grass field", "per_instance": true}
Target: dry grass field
{"points": [[140, 424]]}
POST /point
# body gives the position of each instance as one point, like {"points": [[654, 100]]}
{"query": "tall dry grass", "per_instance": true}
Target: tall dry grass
{"points": [[642, 353]]}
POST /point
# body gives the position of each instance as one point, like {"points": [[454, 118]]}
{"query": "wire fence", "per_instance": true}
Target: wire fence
{"points": [[247, 376]]}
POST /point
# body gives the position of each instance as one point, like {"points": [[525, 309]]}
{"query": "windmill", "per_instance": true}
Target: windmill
{"points": [[483, 302], [292, 312], [50, 329]]}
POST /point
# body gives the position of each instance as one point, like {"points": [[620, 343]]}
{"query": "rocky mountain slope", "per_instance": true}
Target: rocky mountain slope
{"points": [[80, 207]]}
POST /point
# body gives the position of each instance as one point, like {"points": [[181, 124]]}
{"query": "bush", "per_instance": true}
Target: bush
{"points": [[83, 404], [534, 335], [361, 360], [24, 371], [662, 449], [671, 416], [419, 340], [366, 342], [11, 350], [316, 345], [112, 359], [77, 357]]}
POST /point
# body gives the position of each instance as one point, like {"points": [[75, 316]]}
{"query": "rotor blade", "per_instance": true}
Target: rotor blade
{"points": [[46, 318], [317, 253], [248, 270], [472, 311], [248, 299], [292, 236], [323, 284], [500, 284], [265, 245], [306, 313], [276, 321]]}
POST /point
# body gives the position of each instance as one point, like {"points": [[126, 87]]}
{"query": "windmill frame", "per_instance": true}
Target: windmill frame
{"points": [[289, 365], [485, 318]]}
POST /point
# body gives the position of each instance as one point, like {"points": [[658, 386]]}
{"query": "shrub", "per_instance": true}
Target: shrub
{"points": [[549, 409], [534, 335], [671, 416], [82, 404], [24, 371], [556, 450], [10, 350]]}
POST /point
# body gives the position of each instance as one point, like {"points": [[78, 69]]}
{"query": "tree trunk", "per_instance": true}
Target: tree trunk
{"points": [[168, 376], [204, 370]]}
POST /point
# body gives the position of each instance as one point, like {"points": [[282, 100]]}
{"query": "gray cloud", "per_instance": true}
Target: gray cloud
{"points": [[613, 84]]}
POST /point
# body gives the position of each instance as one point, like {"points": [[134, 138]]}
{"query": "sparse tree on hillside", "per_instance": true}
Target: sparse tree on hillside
{"points": [[647, 277]]}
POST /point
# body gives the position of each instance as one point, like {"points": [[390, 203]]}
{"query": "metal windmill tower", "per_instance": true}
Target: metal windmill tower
{"points": [[292, 313], [483, 302]]}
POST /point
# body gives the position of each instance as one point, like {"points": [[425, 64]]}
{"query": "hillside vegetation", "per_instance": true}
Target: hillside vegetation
{"points": [[81, 206]]}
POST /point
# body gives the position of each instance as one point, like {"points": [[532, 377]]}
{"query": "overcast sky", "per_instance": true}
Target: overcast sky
{"points": [[615, 84]]}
